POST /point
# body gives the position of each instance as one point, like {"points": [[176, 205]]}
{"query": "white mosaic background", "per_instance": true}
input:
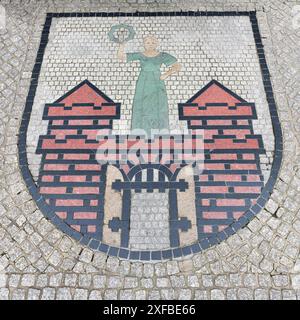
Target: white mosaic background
{"points": [[220, 48], [149, 221]]}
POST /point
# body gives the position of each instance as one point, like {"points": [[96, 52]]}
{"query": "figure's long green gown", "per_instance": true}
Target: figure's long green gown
{"points": [[150, 103]]}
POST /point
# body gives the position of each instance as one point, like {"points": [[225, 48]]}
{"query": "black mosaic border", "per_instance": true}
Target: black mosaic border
{"points": [[202, 244]]}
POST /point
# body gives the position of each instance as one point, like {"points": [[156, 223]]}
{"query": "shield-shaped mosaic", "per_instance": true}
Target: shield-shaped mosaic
{"points": [[150, 136]]}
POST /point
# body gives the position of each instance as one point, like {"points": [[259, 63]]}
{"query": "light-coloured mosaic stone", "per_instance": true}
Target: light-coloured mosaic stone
{"points": [[149, 221]]}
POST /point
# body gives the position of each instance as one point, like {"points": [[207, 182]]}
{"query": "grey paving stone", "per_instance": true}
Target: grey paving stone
{"points": [[95, 295], [245, 294], [201, 295], [28, 280], [48, 294], [111, 294], [295, 281], [85, 280], [99, 281], [217, 294], [18, 294], [86, 256], [56, 280], [63, 294], [141, 294], [280, 280], [193, 281], [81, 294], [130, 282], [261, 294], [289, 295], [4, 294], [184, 294], [154, 295], [127, 295], [163, 282], [115, 282], [231, 294]]}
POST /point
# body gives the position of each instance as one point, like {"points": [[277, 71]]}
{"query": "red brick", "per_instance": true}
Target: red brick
{"points": [[87, 167], [196, 123], [230, 202], [85, 190], [47, 178], [207, 229], [51, 156], [75, 227], [215, 215], [56, 167], [69, 202], [91, 229], [248, 156], [219, 122], [239, 133], [52, 190], [237, 215], [72, 178], [203, 178], [104, 122], [214, 189], [209, 133], [221, 228], [94, 203], [62, 214], [85, 215], [253, 178], [243, 166], [242, 122], [225, 156], [247, 189], [92, 133], [58, 122], [81, 122], [205, 202], [77, 156], [227, 177], [214, 166], [60, 134]]}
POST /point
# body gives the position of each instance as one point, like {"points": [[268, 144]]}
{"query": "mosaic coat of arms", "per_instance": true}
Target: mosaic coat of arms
{"points": [[150, 136]]}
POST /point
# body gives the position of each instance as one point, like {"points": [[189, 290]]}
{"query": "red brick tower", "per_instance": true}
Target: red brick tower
{"points": [[232, 180], [71, 180]]}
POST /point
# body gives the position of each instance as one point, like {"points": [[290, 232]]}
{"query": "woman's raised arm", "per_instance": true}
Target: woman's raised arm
{"points": [[121, 55]]}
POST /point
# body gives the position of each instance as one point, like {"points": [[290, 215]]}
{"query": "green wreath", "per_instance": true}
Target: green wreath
{"points": [[117, 27]]}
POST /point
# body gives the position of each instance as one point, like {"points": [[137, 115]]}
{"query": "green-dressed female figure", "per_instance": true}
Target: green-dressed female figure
{"points": [[150, 103]]}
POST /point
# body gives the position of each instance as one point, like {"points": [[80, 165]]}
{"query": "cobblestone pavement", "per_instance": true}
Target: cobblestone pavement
{"points": [[37, 261]]}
